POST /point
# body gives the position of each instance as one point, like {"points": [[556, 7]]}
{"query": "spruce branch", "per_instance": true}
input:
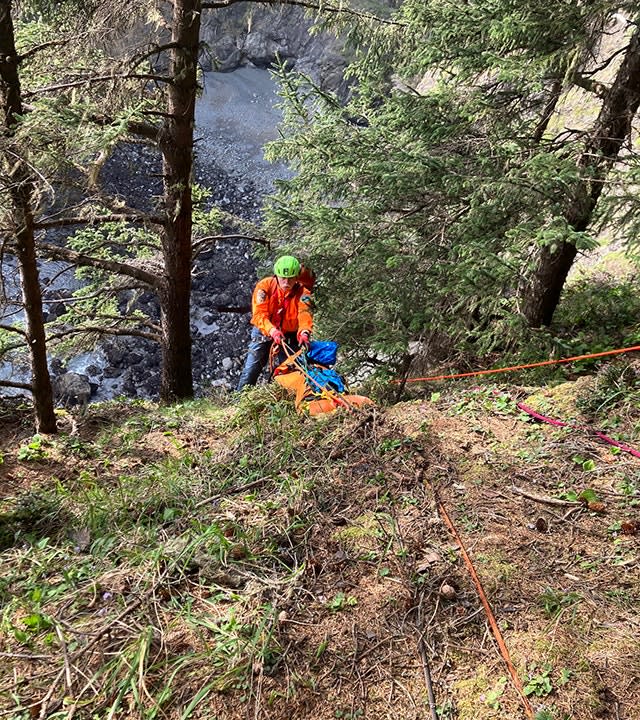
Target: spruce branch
{"points": [[200, 244], [135, 127], [44, 46], [106, 330], [142, 321]]}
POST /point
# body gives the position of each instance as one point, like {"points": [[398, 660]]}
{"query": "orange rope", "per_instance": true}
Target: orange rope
{"points": [[520, 367], [491, 617]]}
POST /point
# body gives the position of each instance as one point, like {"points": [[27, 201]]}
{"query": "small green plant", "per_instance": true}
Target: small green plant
{"points": [[554, 602], [446, 711], [588, 564], [492, 697], [349, 714], [617, 383], [588, 495], [621, 552], [37, 514], [539, 683], [34, 450], [388, 445], [565, 676], [544, 715], [551, 713], [586, 464], [77, 447], [322, 648], [615, 528], [504, 405], [341, 602], [629, 489]]}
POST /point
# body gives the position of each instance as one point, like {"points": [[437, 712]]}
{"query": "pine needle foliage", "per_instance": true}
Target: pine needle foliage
{"points": [[427, 197]]}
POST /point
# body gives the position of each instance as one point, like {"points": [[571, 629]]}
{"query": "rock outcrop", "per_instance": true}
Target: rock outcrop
{"points": [[248, 33]]}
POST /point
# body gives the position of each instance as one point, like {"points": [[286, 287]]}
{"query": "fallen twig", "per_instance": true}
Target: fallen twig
{"points": [[65, 655], [233, 491], [44, 703], [504, 651], [544, 499], [422, 631]]}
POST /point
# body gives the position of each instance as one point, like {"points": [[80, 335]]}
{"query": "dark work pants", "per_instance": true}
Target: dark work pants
{"points": [[258, 356]]}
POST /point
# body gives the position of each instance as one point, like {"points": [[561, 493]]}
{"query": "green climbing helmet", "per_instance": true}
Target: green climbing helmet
{"points": [[287, 267]]}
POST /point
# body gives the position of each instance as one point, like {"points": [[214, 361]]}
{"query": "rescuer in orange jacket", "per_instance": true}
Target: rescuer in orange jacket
{"points": [[282, 312]]}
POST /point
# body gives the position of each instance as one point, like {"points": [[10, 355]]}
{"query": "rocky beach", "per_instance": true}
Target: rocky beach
{"points": [[236, 115]]}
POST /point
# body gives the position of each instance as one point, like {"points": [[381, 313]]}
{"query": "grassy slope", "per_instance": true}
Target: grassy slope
{"points": [[217, 561]]}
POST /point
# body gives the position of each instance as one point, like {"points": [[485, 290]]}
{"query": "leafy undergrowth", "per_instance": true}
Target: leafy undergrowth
{"points": [[237, 561]]}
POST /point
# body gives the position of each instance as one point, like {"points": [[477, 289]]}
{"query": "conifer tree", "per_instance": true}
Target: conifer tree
{"points": [[20, 186], [88, 100], [454, 190], [72, 124]]}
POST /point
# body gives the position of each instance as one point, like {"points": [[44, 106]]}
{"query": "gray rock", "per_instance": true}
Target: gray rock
{"points": [[250, 35], [72, 389]]}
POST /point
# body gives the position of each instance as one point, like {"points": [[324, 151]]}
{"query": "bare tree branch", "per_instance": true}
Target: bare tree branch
{"points": [[12, 384], [76, 258], [96, 79], [607, 62], [136, 59], [98, 220], [13, 328], [593, 86]]}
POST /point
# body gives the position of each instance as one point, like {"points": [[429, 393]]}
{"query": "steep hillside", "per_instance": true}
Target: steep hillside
{"points": [[230, 561]]}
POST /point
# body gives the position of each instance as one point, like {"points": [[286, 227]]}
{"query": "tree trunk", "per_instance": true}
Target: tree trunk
{"points": [[21, 191], [176, 144], [611, 129]]}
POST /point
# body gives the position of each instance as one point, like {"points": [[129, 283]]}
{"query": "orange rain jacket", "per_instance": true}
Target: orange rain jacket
{"points": [[272, 308], [307, 277]]}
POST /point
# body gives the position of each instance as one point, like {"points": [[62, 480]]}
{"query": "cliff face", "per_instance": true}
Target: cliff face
{"points": [[249, 34]]}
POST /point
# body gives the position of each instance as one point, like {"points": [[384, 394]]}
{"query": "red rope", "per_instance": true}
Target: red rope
{"points": [[520, 367], [504, 651], [561, 423]]}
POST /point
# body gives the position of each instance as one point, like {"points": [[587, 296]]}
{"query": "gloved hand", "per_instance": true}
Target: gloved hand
{"points": [[277, 336], [303, 338]]}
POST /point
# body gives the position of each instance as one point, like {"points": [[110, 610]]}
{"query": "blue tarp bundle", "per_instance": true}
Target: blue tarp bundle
{"points": [[322, 352], [319, 378]]}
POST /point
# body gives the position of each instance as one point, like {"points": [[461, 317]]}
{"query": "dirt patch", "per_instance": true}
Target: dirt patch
{"points": [[301, 568]]}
